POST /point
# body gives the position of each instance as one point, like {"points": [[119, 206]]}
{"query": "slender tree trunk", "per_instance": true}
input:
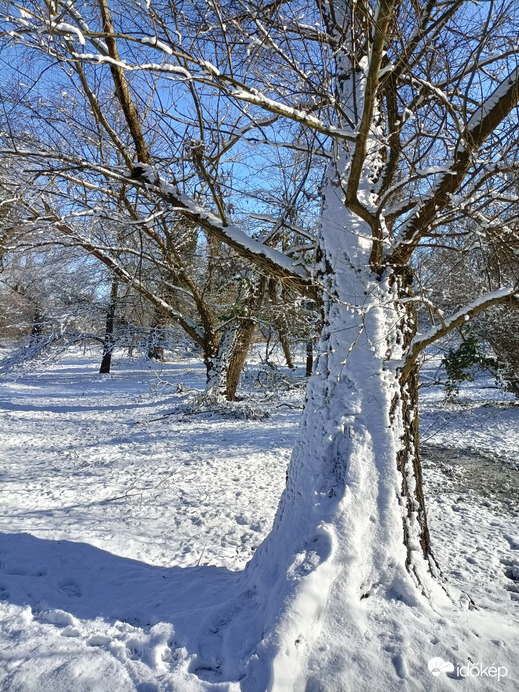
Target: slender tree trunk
{"points": [[131, 344], [37, 325], [282, 330], [156, 342], [309, 357], [280, 321], [109, 341]]}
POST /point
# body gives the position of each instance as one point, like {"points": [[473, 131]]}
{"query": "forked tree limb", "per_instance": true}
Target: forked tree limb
{"points": [[485, 120]]}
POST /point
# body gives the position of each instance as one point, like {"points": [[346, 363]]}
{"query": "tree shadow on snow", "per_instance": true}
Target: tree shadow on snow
{"points": [[87, 583], [98, 408]]}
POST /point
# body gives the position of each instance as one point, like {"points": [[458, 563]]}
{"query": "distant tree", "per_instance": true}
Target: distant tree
{"points": [[109, 340]]}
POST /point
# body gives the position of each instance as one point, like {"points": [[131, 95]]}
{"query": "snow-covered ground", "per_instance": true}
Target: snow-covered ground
{"points": [[127, 513]]}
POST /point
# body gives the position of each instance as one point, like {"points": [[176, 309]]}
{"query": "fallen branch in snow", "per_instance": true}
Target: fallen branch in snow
{"points": [[206, 403], [289, 406], [203, 404]]}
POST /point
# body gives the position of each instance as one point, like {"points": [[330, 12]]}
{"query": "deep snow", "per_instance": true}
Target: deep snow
{"points": [[127, 516]]}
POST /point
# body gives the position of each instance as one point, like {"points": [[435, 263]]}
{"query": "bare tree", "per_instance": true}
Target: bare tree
{"points": [[413, 108]]}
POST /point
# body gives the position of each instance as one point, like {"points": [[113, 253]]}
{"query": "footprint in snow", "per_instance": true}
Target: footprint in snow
{"points": [[70, 588], [135, 648], [513, 541], [511, 566]]}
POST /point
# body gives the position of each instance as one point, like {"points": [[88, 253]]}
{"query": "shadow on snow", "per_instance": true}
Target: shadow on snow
{"points": [[90, 583]]}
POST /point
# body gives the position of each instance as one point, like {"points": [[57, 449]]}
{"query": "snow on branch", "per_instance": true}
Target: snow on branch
{"points": [[83, 26], [485, 120], [65, 28], [421, 341], [207, 72], [144, 67], [495, 107], [254, 97], [267, 259]]}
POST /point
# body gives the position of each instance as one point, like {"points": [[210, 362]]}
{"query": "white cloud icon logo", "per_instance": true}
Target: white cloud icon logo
{"points": [[437, 666]]}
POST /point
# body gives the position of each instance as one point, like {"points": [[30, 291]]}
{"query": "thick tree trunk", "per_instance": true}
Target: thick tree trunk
{"points": [[359, 438], [109, 341], [217, 359], [350, 538], [241, 346], [224, 368], [408, 457]]}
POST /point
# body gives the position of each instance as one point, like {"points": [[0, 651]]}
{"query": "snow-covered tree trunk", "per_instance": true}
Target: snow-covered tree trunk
{"points": [[354, 463], [217, 361], [351, 524]]}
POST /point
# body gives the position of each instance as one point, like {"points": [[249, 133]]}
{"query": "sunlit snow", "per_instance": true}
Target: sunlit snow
{"points": [[127, 517]]}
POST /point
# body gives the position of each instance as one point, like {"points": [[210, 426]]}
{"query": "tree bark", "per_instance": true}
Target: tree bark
{"points": [[109, 341], [240, 349]]}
